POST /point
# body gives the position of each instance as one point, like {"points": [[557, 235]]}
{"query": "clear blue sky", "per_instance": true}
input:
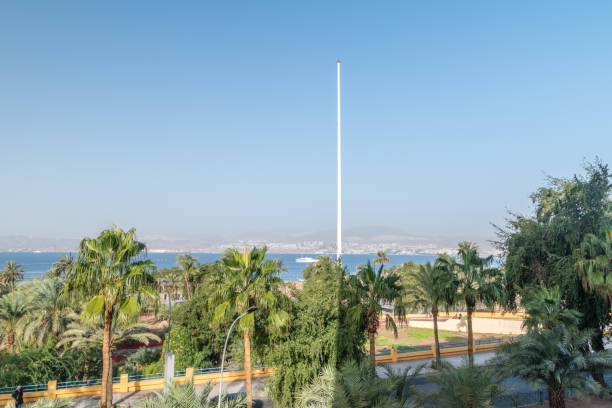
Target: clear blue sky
{"points": [[214, 118]]}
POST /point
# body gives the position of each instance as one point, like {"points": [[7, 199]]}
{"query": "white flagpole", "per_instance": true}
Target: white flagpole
{"points": [[339, 226]]}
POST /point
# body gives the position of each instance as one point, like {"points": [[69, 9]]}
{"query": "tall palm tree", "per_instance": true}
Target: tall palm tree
{"points": [[381, 258], [545, 309], [62, 267], [46, 317], [476, 281], [12, 273], [112, 276], [431, 289], [190, 266], [12, 310], [373, 290], [553, 358], [242, 281]]}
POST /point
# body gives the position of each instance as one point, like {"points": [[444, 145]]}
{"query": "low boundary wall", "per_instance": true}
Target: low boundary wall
{"points": [[123, 383]]}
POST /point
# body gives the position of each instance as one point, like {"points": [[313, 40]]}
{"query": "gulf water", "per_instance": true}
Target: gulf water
{"points": [[37, 263]]}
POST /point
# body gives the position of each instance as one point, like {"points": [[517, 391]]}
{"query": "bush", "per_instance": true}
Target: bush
{"points": [[137, 361], [186, 351], [38, 366]]}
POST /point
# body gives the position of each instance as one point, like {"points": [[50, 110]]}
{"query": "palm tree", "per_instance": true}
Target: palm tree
{"points": [[371, 291], [46, 317], [190, 266], [359, 386], [12, 310], [83, 335], [545, 309], [594, 263], [476, 282], [62, 267], [381, 258], [246, 280], [12, 273], [112, 277], [431, 290], [553, 358], [188, 397], [467, 386]]}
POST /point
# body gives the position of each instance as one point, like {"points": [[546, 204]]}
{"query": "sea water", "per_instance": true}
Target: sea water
{"points": [[37, 263]]}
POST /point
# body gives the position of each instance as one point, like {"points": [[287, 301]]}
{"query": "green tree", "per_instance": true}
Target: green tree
{"points": [[320, 333], [12, 310], [12, 273], [381, 258], [190, 266], [555, 360], [476, 282], [373, 290], [247, 280], [545, 309], [63, 267], [187, 396], [431, 291], [84, 335], [46, 317], [112, 276], [467, 386], [545, 248], [594, 263], [358, 386]]}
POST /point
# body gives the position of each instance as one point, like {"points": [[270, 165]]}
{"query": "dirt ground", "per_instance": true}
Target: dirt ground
{"points": [[415, 336]]}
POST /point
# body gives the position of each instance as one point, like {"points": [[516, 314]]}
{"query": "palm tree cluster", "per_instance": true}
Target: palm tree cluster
{"points": [[467, 280]]}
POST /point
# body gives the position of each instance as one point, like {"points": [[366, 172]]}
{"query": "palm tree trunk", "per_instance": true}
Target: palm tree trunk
{"points": [[188, 287], [470, 310], [373, 347], [106, 398], [556, 397], [434, 312], [247, 368], [10, 340]]}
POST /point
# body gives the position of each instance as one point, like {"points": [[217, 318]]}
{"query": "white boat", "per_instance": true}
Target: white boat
{"points": [[306, 259]]}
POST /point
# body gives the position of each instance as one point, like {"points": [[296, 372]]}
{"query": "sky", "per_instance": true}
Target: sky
{"points": [[188, 119]]}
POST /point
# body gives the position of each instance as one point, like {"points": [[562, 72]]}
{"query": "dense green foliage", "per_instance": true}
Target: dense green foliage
{"points": [[39, 365], [467, 386], [430, 290], [320, 334], [369, 290], [359, 386], [554, 358], [548, 248], [187, 396]]}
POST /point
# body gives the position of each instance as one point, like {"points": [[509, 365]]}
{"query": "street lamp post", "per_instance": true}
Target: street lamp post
{"points": [[168, 356], [250, 310]]}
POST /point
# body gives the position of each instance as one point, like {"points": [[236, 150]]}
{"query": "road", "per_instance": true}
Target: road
{"points": [[527, 394]]}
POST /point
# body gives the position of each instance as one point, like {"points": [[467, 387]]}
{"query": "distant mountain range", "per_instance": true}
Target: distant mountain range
{"points": [[356, 240]]}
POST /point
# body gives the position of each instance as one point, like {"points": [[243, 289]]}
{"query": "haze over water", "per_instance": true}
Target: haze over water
{"points": [[37, 263]]}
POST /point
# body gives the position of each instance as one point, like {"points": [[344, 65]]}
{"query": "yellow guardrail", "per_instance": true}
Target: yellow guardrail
{"points": [[124, 385], [489, 315]]}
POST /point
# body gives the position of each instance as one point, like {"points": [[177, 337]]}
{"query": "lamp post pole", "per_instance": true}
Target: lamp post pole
{"points": [[250, 310], [168, 356]]}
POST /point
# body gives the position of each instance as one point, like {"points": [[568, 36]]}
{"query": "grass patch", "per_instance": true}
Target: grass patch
{"points": [[382, 341]]}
